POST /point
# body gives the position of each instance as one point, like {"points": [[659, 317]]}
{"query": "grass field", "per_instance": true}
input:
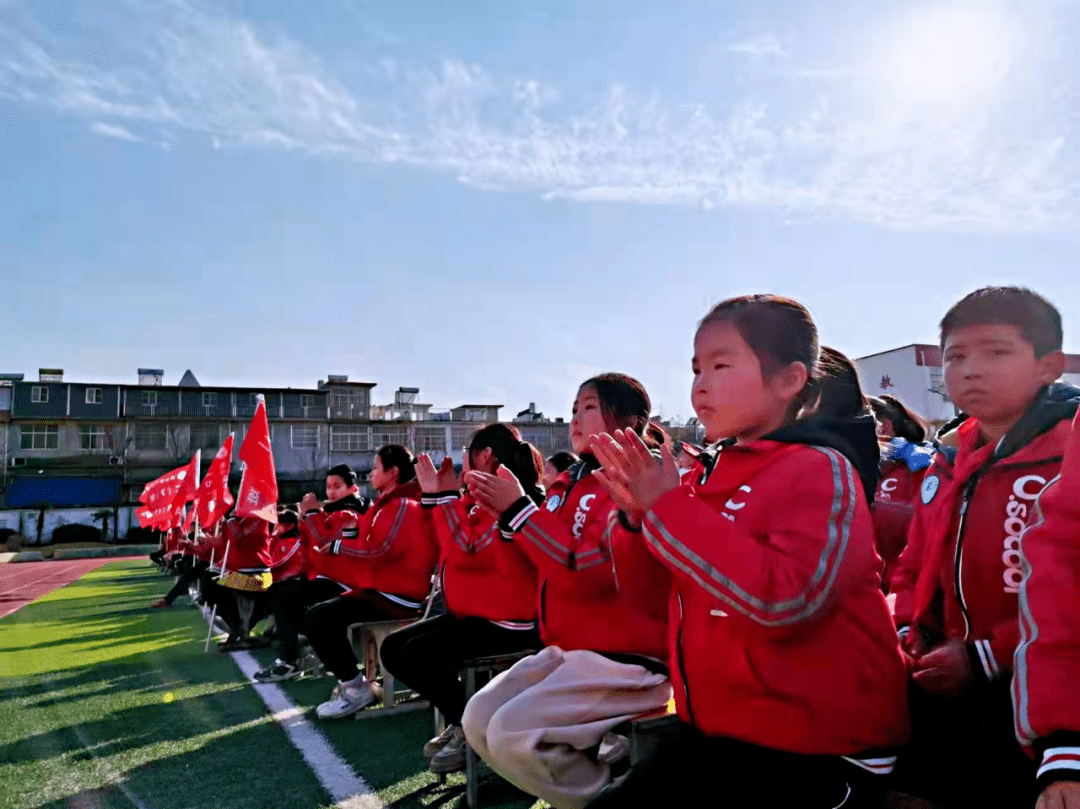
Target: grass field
{"points": [[105, 703]]}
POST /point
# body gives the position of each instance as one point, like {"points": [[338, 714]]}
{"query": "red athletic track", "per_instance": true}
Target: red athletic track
{"points": [[22, 582]]}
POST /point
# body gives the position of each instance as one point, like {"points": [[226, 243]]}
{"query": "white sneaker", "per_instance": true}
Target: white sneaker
{"points": [[451, 758], [346, 701], [438, 743]]}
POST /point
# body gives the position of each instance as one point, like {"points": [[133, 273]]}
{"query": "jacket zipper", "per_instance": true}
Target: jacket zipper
{"points": [[543, 604], [958, 558], [682, 666]]}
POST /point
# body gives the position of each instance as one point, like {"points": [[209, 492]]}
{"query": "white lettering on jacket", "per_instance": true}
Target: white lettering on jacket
{"points": [[731, 505], [1025, 490], [887, 486], [584, 504]]}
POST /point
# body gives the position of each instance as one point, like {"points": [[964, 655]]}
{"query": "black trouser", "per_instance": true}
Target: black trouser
{"points": [[327, 627], [188, 576], [690, 769], [427, 656], [289, 600], [963, 750]]}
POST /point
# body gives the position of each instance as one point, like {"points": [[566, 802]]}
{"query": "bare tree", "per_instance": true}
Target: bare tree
{"points": [[178, 442]]}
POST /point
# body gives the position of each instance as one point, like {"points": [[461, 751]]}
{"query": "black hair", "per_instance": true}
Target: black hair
{"points": [[1038, 320], [395, 456], [345, 472], [779, 331], [906, 424], [563, 461], [520, 457], [626, 406], [839, 393], [288, 516]]}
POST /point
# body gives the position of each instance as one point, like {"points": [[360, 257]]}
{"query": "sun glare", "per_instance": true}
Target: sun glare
{"points": [[945, 55]]}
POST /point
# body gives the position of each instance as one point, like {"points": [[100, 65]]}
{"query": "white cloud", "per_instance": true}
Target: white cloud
{"points": [[766, 45], [113, 131], [239, 88]]}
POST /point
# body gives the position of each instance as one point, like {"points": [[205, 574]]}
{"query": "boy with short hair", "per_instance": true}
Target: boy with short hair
{"points": [[956, 584], [1046, 695], [290, 599]]}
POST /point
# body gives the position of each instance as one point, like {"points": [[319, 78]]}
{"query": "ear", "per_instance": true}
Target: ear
{"points": [[1051, 367], [790, 380]]}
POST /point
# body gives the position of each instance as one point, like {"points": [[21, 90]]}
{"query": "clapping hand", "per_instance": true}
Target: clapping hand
{"points": [[630, 472]]}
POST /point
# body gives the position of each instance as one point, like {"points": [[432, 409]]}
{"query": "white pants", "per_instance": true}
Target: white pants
{"points": [[533, 723]]}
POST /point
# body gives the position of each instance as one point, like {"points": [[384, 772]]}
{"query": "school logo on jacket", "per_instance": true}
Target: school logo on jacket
{"points": [[553, 503], [929, 488]]}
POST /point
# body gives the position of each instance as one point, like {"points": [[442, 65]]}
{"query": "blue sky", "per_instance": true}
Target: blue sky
{"points": [[493, 200]]}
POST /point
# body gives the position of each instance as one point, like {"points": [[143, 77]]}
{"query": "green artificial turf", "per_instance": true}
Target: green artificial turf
{"points": [[106, 703]]}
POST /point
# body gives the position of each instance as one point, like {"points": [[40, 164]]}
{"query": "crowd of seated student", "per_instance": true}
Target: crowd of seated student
{"points": [[825, 594]]}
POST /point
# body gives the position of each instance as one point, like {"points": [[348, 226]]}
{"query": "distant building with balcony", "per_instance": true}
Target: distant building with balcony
{"points": [[68, 443]]}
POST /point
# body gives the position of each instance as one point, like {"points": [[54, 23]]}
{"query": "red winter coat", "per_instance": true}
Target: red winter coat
{"points": [[1045, 689], [894, 506], [780, 633], [390, 548], [966, 531], [483, 575], [286, 556], [247, 540], [582, 604]]}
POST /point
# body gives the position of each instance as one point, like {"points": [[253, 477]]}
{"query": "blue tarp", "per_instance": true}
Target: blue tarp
{"points": [[38, 492]]}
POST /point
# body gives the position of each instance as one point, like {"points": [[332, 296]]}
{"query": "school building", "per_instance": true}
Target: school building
{"points": [[91, 446], [913, 374]]}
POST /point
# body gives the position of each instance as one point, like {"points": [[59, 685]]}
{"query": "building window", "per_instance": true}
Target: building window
{"points": [[381, 436], [350, 438], [475, 413], [150, 437], [339, 400], [307, 399], [39, 394], [429, 439], [304, 436], [149, 398], [209, 400], [93, 396], [937, 384], [461, 436], [206, 437], [40, 436], [93, 437]]}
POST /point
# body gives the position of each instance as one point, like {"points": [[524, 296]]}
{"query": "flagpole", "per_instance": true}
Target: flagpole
{"points": [[213, 615]]}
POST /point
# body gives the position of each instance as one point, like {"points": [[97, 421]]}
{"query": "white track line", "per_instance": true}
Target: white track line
{"points": [[349, 790]]}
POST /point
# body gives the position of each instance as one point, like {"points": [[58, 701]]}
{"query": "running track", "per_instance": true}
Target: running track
{"points": [[22, 582]]}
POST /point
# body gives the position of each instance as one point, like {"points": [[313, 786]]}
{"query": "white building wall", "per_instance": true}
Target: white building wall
{"points": [[898, 373]]}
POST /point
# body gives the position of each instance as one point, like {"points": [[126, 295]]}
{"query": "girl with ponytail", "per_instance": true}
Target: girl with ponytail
{"points": [[488, 583], [782, 646], [540, 724]]}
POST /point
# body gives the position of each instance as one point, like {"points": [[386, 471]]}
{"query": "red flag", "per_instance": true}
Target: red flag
{"points": [[258, 487], [160, 497], [214, 498]]}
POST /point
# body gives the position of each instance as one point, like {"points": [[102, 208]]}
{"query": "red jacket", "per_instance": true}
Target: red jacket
{"points": [[961, 571], [483, 575], [582, 604], [246, 541], [1046, 695], [390, 548], [780, 633], [286, 556], [894, 506]]}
